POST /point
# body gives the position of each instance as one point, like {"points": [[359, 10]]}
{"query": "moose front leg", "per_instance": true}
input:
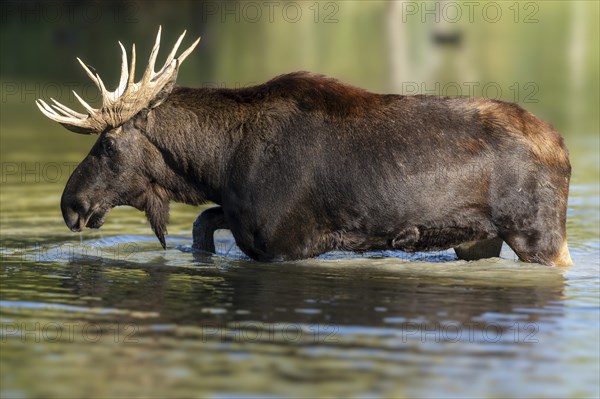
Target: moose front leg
{"points": [[205, 226], [475, 250]]}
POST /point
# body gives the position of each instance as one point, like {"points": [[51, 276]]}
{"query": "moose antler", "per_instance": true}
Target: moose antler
{"points": [[128, 98]]}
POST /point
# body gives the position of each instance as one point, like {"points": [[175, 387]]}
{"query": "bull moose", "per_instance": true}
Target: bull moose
{"points": [[304, 164]]}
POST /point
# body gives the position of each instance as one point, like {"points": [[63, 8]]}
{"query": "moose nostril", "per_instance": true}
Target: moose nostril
{"points": [[71, 219], [73, 213]]}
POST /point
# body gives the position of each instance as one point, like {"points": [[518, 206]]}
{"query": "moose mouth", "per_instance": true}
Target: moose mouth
{"points": [[93, 220], [77, 217]]}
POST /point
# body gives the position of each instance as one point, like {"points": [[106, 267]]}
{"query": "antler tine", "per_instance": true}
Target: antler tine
{"points": [[171, 55], [124, 73], [60, 112], [150, 69], [89, 73], [82, 126], [106, 95], [188, 51], [48, 108], [52, 114], [68, 110], [131, 81], [85, 104], [45, 108]]}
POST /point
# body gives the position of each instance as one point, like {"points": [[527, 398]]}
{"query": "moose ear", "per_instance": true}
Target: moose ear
{"points": [[140, 121]]}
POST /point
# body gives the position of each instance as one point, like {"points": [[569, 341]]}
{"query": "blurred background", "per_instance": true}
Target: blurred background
{"points": [[543, 55]]}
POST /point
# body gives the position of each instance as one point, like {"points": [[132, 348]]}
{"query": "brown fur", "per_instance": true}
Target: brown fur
{"points": [[545, 143], [304, 164]]}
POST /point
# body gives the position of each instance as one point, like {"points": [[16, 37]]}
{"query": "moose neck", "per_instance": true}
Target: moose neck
{"points": [[197, 131]]}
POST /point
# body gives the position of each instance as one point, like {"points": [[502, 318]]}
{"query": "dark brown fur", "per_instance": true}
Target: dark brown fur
{"points": [[304, 164]]}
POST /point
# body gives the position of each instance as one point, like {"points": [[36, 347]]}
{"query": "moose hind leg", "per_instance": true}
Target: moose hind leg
{"points": [[535, 247], [533, 223], [474, 250], [204, 228]]}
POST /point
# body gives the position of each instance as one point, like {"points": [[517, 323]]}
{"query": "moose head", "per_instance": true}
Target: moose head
{"points": [[126, 165]]}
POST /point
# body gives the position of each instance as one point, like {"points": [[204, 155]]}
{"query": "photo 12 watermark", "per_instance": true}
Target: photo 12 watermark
{"points": [[36, 172], [69, 331], [29, 92], [70, 12], [326, 12], [482, 332], [255, 331], [526, 92], [470, 11], [70, 252]]}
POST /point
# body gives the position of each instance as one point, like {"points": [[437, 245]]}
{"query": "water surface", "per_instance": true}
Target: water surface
{"points": [[108, 313]]}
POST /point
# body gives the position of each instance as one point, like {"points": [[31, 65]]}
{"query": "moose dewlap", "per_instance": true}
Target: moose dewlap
{"points": [[305, 164]]}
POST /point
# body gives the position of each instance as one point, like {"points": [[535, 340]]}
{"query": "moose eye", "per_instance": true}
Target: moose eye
{"points": [[109, 147]]}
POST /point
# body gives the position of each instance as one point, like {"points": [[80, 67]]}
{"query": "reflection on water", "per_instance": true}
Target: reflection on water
{"points": [[116, 316], [376, 292]]}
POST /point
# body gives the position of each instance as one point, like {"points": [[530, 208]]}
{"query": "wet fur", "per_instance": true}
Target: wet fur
{"points": [[304, 164]]}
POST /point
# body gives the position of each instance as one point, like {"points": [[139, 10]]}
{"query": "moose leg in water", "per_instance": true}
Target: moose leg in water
{"points": [[205, 226], [474, 250]]}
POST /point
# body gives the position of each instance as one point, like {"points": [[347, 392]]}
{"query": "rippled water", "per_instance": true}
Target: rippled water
{"points": [[108, 313]]}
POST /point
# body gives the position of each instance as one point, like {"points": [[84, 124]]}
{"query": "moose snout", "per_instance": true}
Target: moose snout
{"points": [[72, 220], [74, 213]]}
